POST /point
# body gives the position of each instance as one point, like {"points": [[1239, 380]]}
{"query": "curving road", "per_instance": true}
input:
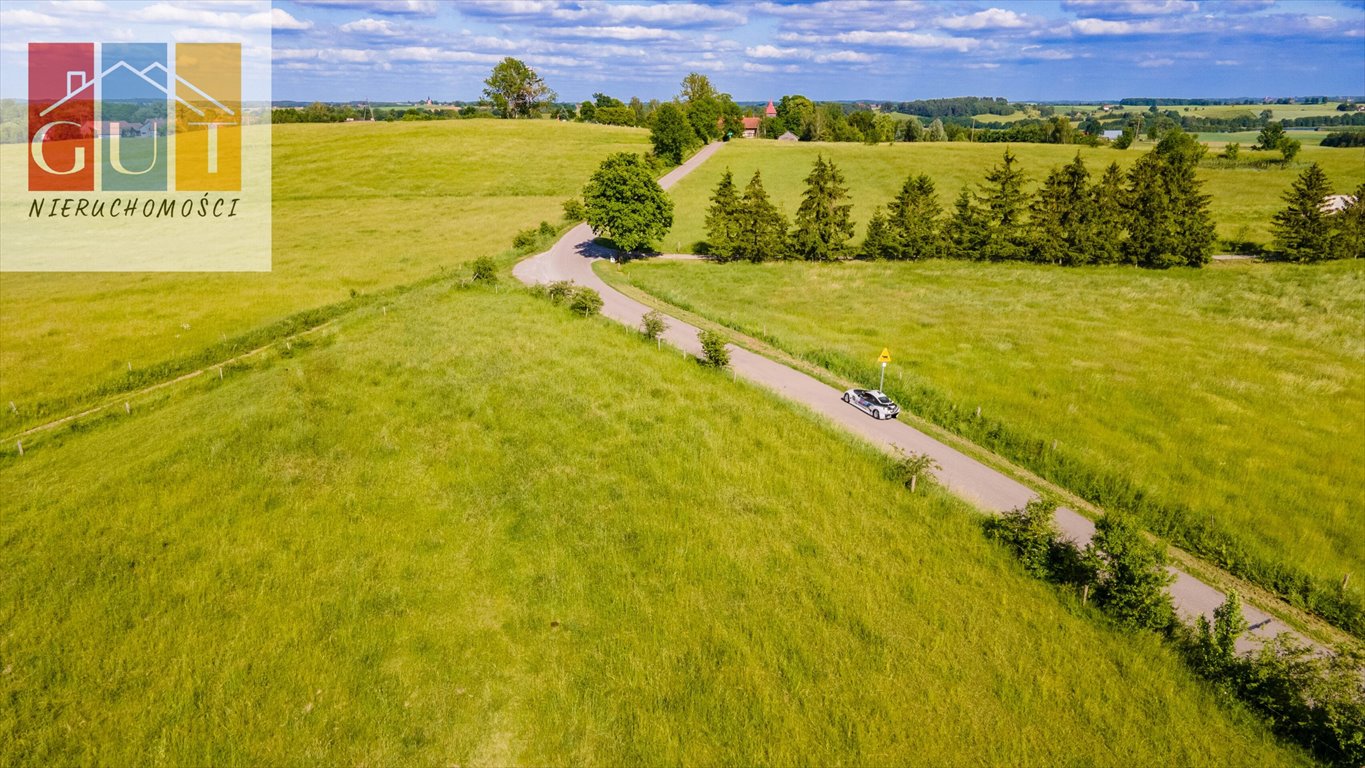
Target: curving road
{"points": [[571, 259]]}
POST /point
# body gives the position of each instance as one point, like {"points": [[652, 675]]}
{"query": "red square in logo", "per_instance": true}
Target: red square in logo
{"points": [[61, 117]]}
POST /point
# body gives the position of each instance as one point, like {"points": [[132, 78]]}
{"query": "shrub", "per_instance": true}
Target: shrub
{"points": [[573, 210], [653, 325], [1130, 574], [1029, 532], [560, 291], [547, 229], [714, 353], [908, 469], [485, 271], [585, 302], [525, 239]]}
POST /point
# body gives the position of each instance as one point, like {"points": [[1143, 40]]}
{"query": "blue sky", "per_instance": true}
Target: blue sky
{"points": [[830, 49]]}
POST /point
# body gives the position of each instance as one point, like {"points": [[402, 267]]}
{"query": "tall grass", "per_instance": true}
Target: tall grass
{"points": [[476, 529], [1222, 404], [357, 209]]}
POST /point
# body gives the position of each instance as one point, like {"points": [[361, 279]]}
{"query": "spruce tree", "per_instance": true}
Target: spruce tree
{"points": [[1110, 216], [880, 243], [1348, 229], [914, 220], [823, 226], [1168, 216], [1302, 231], [1063, 216], [1003, 203], [761, 229], [722, 219], [967, 230]]}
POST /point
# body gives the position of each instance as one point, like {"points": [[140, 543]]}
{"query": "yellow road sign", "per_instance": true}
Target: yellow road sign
{"points": [[886, 356]]}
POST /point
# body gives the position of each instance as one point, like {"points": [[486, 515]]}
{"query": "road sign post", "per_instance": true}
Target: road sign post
{"points": [[884, 358]]}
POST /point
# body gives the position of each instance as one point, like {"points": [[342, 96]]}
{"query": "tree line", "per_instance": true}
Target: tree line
{"points": [[1153, 215]]}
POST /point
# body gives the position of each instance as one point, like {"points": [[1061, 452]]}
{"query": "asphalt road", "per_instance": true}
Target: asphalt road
{"points": [[571, 259]]}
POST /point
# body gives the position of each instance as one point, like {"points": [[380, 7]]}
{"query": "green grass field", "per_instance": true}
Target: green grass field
{"points": [[476, 530], [1243, 199], [357, 207], [1278, 111], [1236, 390]]}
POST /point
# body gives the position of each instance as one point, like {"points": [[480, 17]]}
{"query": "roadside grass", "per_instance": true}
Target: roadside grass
{"points": [[1243, 198], [445, 535], [358, 208], [1234, 391]]}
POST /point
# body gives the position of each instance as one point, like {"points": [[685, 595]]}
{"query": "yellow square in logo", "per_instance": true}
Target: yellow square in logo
{"points": [[208, 117]]}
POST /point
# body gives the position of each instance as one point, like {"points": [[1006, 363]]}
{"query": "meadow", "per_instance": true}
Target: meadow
{"points": [[1243, 198], [445, 534], [357, 208], [1235, 391]]}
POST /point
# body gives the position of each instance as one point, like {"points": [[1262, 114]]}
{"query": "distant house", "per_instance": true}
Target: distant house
{"points": [[788, 136], [151, 128], [1111, 135], [1336, 203], [770, 110], [750, 126]]}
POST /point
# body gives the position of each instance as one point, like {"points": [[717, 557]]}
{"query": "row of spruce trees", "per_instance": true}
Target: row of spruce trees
{"points": [[1154, 215]]}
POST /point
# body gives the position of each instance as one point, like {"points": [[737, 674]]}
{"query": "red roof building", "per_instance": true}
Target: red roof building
{"points": [[770, 110]]}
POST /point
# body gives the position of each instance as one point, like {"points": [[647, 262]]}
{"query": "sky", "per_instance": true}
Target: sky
{"points": [[1042, 50]]}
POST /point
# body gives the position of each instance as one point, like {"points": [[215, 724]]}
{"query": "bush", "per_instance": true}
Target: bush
{"points": [[547, 229], [585, 302], [525, 239], [1130, 574], [573, 210], [653, 325], [560, 291], [909, 469], [1030, 533], [714, 353], [485, 271]]}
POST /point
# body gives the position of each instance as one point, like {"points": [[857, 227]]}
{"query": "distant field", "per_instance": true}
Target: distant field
{"points": [[1278, 111], [1243, 199], [357, 207], [1310, 137], [1235, 390], [477, 531]]}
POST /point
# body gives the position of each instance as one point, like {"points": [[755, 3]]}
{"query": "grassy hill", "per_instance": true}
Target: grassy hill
{"points": [[1235, 391], [475, 530], [1243, 198], [357, 208]]}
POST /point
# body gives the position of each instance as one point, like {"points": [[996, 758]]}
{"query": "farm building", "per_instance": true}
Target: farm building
{"points": [[788, 136]]}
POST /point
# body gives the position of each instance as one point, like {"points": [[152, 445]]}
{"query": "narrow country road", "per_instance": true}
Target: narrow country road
{"points": [[571, 259]]}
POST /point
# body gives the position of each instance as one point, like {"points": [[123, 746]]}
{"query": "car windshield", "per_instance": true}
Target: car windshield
{"points": [[881, 400]]}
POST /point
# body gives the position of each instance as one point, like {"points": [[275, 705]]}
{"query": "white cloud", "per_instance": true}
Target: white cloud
{"points": [[616, 33], [383, 7], [1128, 9], [280, 19], [23, 17], [991, 18], [1156, 62], [771, 52], [1096, 27], [898, 39], [372, 27]]}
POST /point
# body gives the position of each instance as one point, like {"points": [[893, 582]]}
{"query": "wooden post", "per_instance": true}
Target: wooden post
{"points": [[1085, 594], [21, 447], [127, 408], [978, 411], [1345, 581], [220, 373]]}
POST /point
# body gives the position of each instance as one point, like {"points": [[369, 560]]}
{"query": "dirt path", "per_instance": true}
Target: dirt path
{"points": [[571, 259]]}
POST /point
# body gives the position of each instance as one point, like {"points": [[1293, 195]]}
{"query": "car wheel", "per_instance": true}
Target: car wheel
{"points": [[845, 397], [877, 414]]}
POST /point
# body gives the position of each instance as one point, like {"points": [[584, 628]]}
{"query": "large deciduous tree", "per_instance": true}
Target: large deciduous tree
{"points": [[671, 134], [823, 226], [515, 89], [626, 204]]}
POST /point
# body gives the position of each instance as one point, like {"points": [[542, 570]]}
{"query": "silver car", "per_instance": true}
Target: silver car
{"points": [[873, 402]]}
